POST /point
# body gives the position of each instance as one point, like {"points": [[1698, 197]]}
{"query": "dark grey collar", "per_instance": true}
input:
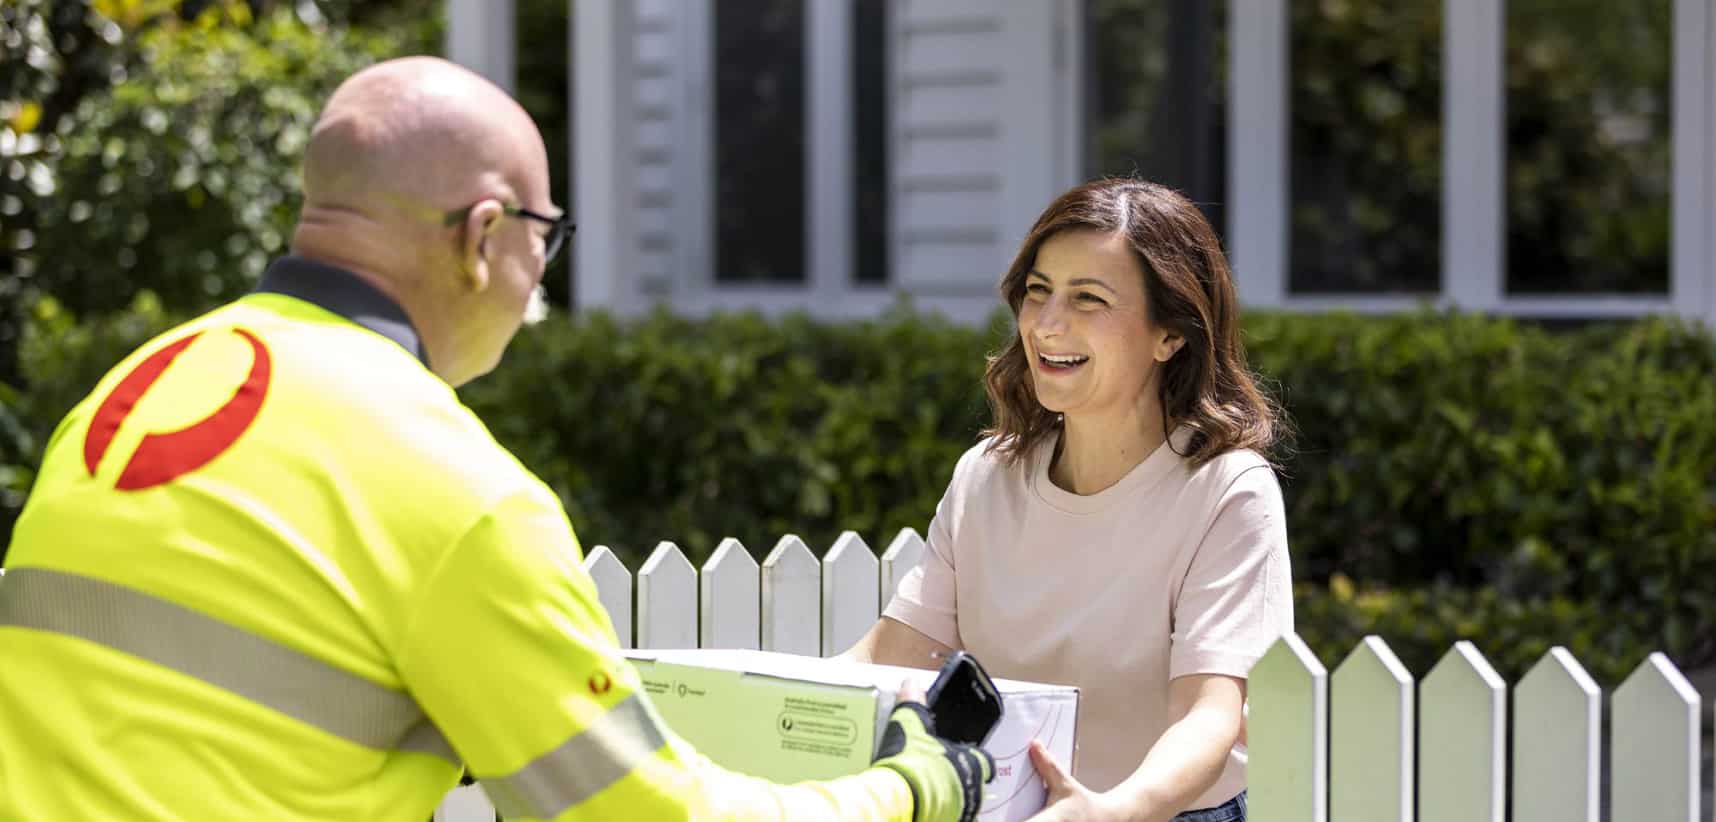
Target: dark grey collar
{"points": [[345, 294]]}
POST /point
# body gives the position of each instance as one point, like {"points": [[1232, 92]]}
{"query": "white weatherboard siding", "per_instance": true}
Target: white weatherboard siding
{"points": [[980, 137], [985, 126]]}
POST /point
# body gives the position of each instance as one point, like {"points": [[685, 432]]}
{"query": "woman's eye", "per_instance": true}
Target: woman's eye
{"points": [[1036, 288], [1091, 299]]}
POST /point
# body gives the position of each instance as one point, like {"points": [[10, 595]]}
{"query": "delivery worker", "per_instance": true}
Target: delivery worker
{"points": [[272, 568]]}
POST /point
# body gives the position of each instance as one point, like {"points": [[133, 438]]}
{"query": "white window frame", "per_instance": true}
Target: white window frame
{"points": [[1474, 272], [482, 36], [604, 183], [828, 175], [603, 78], [605, 190]]}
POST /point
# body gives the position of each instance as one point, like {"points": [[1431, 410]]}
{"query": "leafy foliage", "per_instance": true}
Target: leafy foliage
{"points": [[1453, 476], [63, 359], [694, 431], [1588, 130], [1367, 146], [185, 175], [1588, 134], [1422, 623], [125, 119]]}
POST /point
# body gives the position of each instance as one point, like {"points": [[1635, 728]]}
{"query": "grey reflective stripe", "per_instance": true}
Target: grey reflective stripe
{"points": [[424, 737], [594, 758], [202, 647]]}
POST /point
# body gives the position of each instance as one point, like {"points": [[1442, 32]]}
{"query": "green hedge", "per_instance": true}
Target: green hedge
{"points": [[694, 431], [1479, 478], [1422, 624], [1547, 478]]}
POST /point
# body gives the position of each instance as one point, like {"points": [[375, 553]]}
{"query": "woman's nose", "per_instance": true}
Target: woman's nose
{"points": [[1051, 318]]}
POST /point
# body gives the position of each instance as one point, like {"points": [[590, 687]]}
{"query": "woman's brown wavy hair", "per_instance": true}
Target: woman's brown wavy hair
{"points": [[1206, 386]]}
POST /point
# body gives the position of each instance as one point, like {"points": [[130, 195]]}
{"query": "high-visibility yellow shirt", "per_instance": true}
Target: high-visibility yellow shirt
{"points": [[268, 545]]}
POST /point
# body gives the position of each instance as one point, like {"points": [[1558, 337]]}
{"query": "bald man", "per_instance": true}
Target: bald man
{"points": [[272, 568]]}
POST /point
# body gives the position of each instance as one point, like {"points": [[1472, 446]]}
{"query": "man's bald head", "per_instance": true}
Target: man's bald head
{"points": [[400, 148], [421, 133]]}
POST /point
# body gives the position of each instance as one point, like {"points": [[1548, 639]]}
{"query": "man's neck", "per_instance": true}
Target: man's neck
{"points": [[340, 291], [332, 240]]}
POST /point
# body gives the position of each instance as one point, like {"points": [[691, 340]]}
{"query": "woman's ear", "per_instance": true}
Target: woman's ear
{"points": [[479, 223], [1169, 346]]}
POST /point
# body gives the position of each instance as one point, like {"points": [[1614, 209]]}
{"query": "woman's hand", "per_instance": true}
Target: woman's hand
{"points": [[1188, 758], [1068, 800]]}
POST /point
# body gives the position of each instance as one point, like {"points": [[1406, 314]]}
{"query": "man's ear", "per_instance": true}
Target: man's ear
{"points": [[479, 223]]}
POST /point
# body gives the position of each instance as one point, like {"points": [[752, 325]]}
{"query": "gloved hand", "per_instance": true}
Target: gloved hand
{"points": [[946, 778]]}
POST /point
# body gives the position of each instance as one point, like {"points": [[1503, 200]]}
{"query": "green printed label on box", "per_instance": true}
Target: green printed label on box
{"points": [[779, 729]]}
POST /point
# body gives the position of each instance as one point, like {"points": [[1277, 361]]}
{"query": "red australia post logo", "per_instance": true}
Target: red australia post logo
{"points": [[164, 456]]}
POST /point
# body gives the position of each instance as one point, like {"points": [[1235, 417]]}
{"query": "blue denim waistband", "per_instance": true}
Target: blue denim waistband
{"points": [[1232, 810]]}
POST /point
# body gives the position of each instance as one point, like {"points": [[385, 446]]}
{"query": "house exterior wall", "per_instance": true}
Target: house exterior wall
{"points": [[985, 126]]}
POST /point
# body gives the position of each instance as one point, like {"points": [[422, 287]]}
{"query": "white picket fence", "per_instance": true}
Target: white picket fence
{"points": [[1389, 749], [792, 603], [1365, 743], [1370, 743]]}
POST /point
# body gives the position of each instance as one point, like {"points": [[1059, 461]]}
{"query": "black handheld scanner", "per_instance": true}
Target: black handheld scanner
{"points": [[964, 702]]}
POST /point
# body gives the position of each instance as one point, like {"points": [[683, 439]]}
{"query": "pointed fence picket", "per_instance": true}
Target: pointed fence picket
{"points": [[613, 589], [667, 600], [902, 556], [730, 593], [1287, 734], [1370, 736], [1653, 746], [792, 599], [1462, 760], [1557, 710], [850, 573]]}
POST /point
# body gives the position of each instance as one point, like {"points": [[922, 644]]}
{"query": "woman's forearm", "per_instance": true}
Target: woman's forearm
{"points": [[1184, 762], [890, 642]]}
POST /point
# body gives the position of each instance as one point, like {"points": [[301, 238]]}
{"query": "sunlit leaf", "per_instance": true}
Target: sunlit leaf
{"points": [[26, 116]]}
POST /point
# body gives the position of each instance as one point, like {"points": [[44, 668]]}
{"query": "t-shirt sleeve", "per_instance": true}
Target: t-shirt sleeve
{"points": [[1237, 597], [926, 599]]}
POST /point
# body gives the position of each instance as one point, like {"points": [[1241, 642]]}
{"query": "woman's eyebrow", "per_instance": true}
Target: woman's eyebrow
{"points": [[1092, 281], [1074, 281]]}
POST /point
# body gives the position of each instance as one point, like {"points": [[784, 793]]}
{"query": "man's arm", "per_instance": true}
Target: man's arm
{"points": [[511, 656]]}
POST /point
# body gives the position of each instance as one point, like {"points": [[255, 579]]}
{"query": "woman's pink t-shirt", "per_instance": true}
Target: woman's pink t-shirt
{"points": [[1171, 571]]}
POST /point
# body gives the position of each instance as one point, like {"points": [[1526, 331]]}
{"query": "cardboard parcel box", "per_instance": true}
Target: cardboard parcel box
{"points": [[790, 718]]}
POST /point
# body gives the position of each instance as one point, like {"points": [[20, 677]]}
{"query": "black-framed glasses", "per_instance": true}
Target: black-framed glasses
{"points": [[559, 228]]}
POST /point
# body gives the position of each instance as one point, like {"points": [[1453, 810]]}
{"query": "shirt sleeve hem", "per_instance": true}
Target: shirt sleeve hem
{"points": [[1220, 661], [937, 626]]}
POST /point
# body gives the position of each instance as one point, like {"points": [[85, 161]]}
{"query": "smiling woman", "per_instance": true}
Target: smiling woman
{"points": [[1119, 529], [1140, 268]]}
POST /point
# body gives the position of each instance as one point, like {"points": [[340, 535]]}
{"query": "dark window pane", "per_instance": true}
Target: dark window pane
{"points": [[1156, 92], [1588, 145], [759, 141], [869, 81], [1366, 146]]}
